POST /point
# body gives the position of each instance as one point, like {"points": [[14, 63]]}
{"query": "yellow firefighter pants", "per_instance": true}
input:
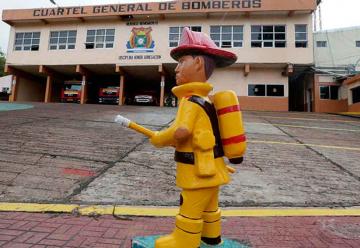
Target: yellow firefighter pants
{"points": [[203, 204]]}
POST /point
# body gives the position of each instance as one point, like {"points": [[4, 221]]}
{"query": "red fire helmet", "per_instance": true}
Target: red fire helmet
{"points": [[197, 43]]}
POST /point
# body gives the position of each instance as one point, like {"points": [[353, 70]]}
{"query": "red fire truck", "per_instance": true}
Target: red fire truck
{"points": [[71, 91], [109, 94]]}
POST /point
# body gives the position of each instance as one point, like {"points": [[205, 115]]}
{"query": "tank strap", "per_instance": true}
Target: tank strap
{"points": [[211, 113]]}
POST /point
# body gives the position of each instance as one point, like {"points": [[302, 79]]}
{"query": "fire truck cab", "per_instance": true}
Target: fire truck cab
{"points": [[71, 91], [109, 94]]}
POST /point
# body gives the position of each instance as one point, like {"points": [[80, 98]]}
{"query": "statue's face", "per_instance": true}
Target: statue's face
{"points": [[186, 70]]}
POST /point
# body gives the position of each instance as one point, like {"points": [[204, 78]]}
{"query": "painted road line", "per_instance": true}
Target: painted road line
{"points": [[142, 211], [35, 207], [297, 126], [308, 119], [300, 144], [172, 211], [350, 113], [96, 210], [278, 212]]}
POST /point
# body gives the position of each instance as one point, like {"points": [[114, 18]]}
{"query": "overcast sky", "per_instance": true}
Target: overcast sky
{"points": [[335, 13]]}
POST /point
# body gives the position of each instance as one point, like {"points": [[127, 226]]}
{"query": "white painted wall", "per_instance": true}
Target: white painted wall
{"points": [[326, 79], [5, 82], [341, 48]]}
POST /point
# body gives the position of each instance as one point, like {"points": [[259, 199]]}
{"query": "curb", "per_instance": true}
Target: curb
{"points": [[94, 210]]}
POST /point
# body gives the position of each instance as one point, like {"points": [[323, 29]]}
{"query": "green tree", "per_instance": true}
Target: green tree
{"points": [[2, 63]]}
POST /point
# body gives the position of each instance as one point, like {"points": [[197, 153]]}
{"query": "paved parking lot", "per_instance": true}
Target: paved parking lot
{"points": [[69, 153], [75, 153]]}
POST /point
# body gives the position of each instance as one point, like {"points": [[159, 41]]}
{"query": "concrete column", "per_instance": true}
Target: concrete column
{"points": [[14, 87], [316, 94], [121, 90], [350, 97], [83, 90], [162, 90], [48, 90]]}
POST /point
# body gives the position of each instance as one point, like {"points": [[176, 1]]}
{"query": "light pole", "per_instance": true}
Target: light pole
{"points": [[54, 3]]}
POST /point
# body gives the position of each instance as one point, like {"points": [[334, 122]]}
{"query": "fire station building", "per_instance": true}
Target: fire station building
{"points": [[129, 45]]}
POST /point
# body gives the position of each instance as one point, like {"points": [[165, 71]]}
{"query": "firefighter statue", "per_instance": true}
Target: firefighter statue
{"points": [[202, 134]]}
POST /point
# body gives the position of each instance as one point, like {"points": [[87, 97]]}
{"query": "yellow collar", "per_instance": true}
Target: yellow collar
{"points": [[194, 88]]}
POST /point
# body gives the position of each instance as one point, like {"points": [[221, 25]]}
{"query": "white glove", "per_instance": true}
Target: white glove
{"points": [[122, 121]]}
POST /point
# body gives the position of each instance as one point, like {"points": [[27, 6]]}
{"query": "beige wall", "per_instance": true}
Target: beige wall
{"points": [[233, 78], [343, 92], [160, 35], [28, 90]]}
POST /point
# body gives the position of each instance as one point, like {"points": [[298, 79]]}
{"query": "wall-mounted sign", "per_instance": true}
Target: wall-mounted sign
{"points": [[140, 41], [139, 57], [141, 23], [138, 8]]}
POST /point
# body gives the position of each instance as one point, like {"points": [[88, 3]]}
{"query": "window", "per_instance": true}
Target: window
{"points": [[28, 41], [60, 40], [72, 86], [274, 90], [321, 43], [227, 36], [175, 33], [265, 90], [355, 94], [301, 36], [100, 38], [256, 90], [329, 92], [357, 43], [268, 36]]}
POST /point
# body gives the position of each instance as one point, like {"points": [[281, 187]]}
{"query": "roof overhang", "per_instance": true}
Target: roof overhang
{"points": [[159, 9], [352, 80]]}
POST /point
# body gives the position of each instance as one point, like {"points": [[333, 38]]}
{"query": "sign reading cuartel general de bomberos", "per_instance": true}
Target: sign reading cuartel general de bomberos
{"points": [[171, 7], [141, 7]]}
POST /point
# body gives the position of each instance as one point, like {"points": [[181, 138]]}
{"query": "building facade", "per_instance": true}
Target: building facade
{"points": [[337, 69], [129, 45]]}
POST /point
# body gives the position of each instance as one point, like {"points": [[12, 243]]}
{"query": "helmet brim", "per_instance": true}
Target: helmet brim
{"points": [[222, 58]]}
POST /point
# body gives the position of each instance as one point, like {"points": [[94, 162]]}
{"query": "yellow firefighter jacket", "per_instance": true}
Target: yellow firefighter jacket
{"points": [[206, 171]]}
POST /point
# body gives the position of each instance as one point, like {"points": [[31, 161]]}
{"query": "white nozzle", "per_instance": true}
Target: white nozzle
{"points": [[122, 120]]}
